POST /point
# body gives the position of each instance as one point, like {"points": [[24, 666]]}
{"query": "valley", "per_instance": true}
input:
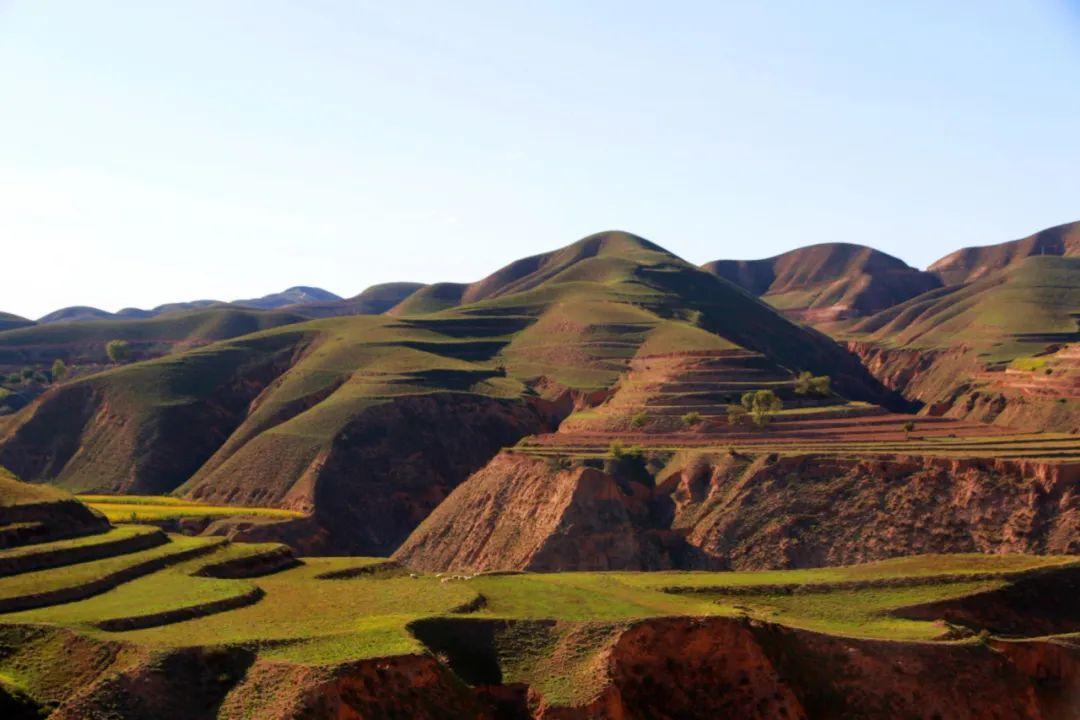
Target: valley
{"points": [[601, 482]]}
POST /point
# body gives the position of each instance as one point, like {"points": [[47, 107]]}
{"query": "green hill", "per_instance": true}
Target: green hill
{"points": [[975, 263], [369, 421], [1032, 303]]}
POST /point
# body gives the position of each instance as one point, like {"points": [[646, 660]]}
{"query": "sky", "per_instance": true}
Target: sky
{"points": [[164, 151]]}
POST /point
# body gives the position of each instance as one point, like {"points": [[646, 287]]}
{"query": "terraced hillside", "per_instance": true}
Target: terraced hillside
{"points": [[369, 422], [664, 474], [205, 629], [988, 350], [823, 283]]}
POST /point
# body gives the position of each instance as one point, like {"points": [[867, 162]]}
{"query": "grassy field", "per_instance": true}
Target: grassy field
{"points": [[551, 629], [156, 508]]}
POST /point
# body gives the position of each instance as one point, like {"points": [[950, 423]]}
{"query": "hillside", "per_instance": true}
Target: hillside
{"points": [[83, 342], [10, 322], [975, 263], [999, 349], [299, 295], [827, 282], [200, 629], [370, 421]]}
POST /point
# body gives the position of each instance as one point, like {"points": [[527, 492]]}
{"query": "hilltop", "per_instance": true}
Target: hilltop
{"points": [[831, 281], [974, 263]]}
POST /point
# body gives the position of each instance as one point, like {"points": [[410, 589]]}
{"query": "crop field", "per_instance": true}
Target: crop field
{"points": [[158, 508], [369, 607]]}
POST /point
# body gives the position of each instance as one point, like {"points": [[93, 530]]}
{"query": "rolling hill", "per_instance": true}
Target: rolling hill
{"points": [[369, 421], [827, 282], [974, 263]]}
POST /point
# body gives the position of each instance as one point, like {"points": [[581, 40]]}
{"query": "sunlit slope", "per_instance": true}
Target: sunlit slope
{"points": [[826, 282], [370, 421], [1022, 309], [974, 263], [84, 342]]}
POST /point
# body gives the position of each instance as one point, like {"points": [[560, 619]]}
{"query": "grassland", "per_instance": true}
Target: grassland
{"points": [[367, 614], [159, 508]]}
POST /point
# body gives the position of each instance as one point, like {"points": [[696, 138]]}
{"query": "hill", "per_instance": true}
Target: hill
{"points": [[10, 322], [369, 421], [374, 300], [831, 281], [1001, 348], [975, 263], [83, 342], [299, 295]]}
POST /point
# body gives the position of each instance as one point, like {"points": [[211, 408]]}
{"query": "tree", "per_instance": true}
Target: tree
{"points": [[639, 419], [909, 426], [118, 350], [59, 370], [761, 405], [691, 418], [735, 414], [808, 384]]}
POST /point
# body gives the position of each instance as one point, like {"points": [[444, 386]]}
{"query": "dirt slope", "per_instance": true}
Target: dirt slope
{"points": [[745, 512]]}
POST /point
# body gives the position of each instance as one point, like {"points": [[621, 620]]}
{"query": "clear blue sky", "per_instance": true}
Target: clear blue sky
{"points": [[160, 151]]}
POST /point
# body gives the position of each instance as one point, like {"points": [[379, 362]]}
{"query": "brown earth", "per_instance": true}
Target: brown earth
{"points": [[661, 669], [746, 512], [383, 474], [954, 383], [827, 282]]}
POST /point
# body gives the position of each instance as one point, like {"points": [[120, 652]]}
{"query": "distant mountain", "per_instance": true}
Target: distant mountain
{"points": [[10, 322], [75, 313], [831, 281], [973, 263], [291, 298], [375, 300], [298, 295]]}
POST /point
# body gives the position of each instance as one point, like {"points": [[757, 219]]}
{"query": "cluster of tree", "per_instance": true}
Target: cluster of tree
{"points": [[758, 405], [808, 384], [118, 351], [28, 375]]}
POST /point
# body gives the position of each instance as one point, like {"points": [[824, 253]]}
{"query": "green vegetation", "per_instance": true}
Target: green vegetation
{"points": [[157, 508], [691, 419], [373, 609], [119, 351], [809, 384], [761, 405], [59, 370]]}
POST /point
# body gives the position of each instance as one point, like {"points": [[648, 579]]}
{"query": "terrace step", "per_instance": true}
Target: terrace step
{"points": [[118, 541]]}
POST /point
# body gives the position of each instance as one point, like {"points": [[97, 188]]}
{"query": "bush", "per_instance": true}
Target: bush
{"points": [[761, 405], [691, 418], [558, 462], [736, 414], [118, 350], [807, 384], [59, 370], [639, 420]]}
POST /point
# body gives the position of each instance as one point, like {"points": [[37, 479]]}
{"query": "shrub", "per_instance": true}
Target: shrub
{"points": [[558, 462], [761, 405], [735, 414], [691, 418], [118, 350], [59, 370], [808, 384], [639, 420], [908, 427]]}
